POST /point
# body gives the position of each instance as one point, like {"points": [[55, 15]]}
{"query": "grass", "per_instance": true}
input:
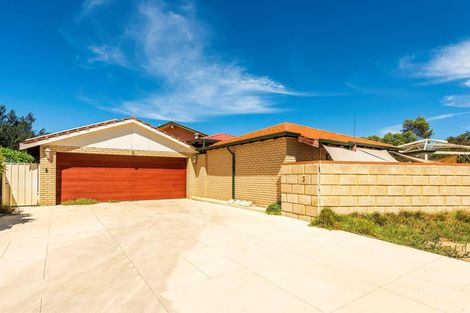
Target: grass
{"points": [[80, 201], [446, 233], [274, 209]]}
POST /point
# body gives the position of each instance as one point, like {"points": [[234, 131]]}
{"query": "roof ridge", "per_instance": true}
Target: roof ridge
{"points": [[302, 130], [94, 125]]}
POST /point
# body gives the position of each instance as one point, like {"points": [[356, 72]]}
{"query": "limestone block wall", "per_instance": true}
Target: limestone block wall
{"points": [[308, 187]]}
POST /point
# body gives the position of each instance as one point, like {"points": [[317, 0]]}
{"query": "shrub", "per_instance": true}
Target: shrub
{"points": [[2, 164], [16, 156], [462, 216], [327, 218], [80, 201], [274, 209]]}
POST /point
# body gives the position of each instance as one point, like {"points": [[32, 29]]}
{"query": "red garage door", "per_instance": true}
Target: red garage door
{"points": [[116, 177]]}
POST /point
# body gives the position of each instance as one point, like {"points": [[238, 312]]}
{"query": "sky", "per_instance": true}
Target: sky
{"points": [[355, 67]]}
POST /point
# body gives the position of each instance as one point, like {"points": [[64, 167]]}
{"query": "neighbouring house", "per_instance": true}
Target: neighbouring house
{"points": [[180, 131], [304, 168]]}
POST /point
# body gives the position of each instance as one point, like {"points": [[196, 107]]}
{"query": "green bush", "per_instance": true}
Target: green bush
{"points": [[274, 209], [80, 201], [11, 155], [2, 163]]}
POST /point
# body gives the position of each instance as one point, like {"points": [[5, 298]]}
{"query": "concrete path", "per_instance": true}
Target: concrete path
{"points": [[188, 256]]}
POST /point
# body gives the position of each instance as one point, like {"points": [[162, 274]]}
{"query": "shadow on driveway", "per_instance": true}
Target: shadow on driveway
{"points": [[9, 220]]}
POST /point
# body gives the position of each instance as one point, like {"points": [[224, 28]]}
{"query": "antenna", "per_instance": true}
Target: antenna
{"points": [[354, 129]]}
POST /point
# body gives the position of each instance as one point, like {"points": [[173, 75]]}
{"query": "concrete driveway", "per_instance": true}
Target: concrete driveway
{"points": [[188, 256]]}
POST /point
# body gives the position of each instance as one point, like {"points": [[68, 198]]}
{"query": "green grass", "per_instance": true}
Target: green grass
{"points": [[274, 209], [446, 233], [80, 201]]}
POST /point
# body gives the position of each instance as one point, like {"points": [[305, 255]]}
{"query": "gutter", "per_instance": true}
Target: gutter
{"points": [[233, 171], [360, 144], [260, 138]]}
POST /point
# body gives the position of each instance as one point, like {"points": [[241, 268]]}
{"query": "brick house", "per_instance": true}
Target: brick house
{"points": [[256, 159], [127, 159]]}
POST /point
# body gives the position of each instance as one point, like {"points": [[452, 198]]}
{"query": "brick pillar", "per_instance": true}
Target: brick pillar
{"points": [[47, 177]]}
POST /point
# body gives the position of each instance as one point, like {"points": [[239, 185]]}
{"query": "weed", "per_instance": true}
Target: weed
{"points": [[274, 209], [80, 201]]}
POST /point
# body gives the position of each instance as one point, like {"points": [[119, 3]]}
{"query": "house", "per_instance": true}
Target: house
{"points": [[305, 168], [180, 131], [248, 167], [127, 159]]}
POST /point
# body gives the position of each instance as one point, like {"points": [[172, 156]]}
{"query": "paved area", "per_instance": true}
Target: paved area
{"points": [[188, 256]]}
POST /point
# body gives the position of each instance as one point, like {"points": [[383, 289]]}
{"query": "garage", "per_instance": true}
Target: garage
{"points": [[121, 159], [117, 177]]}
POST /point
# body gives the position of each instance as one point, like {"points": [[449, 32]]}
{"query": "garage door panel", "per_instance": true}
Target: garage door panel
{"points": [[105, 177]]}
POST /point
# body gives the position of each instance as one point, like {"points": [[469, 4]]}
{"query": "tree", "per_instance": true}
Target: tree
{"points": [[412, 130], [397, 139], [462, 139], [419, 126], [15, 129]]}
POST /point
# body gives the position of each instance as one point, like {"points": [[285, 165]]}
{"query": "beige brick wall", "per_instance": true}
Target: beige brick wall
{"points": [[47, 174], [258, 165], [307, 187]]}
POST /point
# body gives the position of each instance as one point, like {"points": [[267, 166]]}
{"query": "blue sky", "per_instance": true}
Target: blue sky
{"points": [[236, 66]]}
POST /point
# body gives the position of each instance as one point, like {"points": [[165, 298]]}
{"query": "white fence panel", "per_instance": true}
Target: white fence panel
{"points": [[20, 184]]}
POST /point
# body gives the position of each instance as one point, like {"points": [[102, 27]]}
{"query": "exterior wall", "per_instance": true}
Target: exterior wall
{"points": [[130, 136], [308, 187], [258, 165], [197, 176], [47, 173], [219, 174]]}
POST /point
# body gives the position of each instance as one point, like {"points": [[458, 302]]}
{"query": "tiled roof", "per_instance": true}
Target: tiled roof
{"points": [[219, 137], [309, 132], [168, 124], [90, 126]]}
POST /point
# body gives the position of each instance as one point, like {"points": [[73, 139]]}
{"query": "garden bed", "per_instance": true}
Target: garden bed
{"points": [[446, 233]]}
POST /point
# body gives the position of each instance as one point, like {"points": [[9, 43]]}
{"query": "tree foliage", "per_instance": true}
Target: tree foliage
{"points": [[412, 130], [2, 164], [15, 129], [10, 155], [462, 139], [419, 127]]}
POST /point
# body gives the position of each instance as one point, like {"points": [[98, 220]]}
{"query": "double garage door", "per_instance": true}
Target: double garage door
{"points": [[116, 177]]}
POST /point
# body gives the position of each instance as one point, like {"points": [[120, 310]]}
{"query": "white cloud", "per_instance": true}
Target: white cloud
{"points": [[168, 45], [171, 47], [447, 63], [398, 127], [391, 129], [106, 54], [460, 101], [446, 116], [89, 5]]}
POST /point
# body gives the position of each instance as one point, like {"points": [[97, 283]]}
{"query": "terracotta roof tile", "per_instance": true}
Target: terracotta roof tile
{"points": [[309, 132], [219, 137]]}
